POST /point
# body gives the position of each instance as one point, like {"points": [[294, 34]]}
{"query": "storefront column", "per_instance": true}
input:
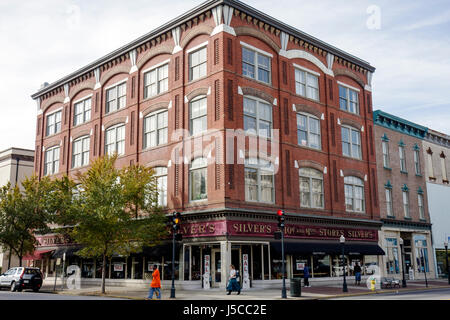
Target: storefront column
{"points": [[181, 265], [262, 264], [190, 263], [126, 267], [95, 268], [143, 269], [270, 262], [251, 264], [132, 267], [109, 269], [225, 257]]}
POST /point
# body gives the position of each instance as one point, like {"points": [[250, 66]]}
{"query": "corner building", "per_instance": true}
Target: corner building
{"points": [[226, 67]]}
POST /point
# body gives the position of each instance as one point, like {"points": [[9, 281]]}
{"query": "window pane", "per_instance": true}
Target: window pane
{"points": [[250, 125], [251, 185], [250, 106]]}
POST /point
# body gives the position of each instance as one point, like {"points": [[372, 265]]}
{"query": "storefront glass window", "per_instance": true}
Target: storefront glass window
{"points": [[353, 260], [337, 270], [186, 262], [266, 262], [392, 258], [257, 263], [298, 264], [118, 268], [420, 244], [370, 265], [195, 265], [321, 265], [87, 269]]}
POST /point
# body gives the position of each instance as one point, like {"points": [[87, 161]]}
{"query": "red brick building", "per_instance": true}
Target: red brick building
{"points": [[221, 69]]}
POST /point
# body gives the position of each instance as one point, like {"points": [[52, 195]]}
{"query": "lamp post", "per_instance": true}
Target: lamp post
{"points": [[342, 241], [403, 263], [446, 260], [281, 219]]}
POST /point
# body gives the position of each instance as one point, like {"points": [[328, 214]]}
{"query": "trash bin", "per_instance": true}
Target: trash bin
{"points": [[296, 287]]}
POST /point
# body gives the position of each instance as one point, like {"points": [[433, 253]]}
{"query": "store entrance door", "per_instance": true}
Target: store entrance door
{"points": [[216, 268]]}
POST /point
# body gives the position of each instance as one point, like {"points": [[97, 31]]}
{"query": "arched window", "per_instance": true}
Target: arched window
{"points": [[354, 194], [156, 80], [308, 131], [198, 180], [115, 139], [81, 111], [161, 183], [351, 142], [348, 98], [51, 161], [80, 152], [259, 180], [155, 128], [311, 188], [198, 115]]}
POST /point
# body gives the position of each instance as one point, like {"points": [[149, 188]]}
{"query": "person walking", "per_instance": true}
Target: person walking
{"points": [[233, 285], [306, 276], [155, 286], [357, 271]]}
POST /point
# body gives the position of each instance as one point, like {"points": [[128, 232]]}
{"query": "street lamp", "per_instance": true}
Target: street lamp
{"points": [[281, 225], [446, 259], [342, 241], [403, 263]]}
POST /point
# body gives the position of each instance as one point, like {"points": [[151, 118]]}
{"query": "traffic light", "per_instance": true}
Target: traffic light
{"points": [[280, 214], [176, 219]]}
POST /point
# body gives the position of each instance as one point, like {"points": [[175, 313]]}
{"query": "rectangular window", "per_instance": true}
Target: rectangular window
{"points": [[259, 181], [198, 115], [198, 179], [444, 169], [80, 152], [385, 147], [156, 81], [257, 117], [401, 152], [421, 208], [161, 182], [306, 84], [354, 194], [406, 204], [389, 208], [197, 64], [308, 131], [311, 188], [420, 244], [51, 161], [417, 162], [53, 123], [256, 65], [116, 97], [348, 99], [430, 165], [351, 142], [155, 129], [115, 140], [82, 112]]}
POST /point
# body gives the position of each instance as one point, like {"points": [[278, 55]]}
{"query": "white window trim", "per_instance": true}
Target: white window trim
{"points": [[53, 112], [200, 97], [200, 46], [348, 86], [308, 131], [89, 151], [351, 143], [51, 149], [258, 182], [310, 190], [190, 180], [306, 70], [155, 113], [82, 99], [248, 46], [353, 196], [115, 142], [116, 84], [259, 100], [156, 66]]}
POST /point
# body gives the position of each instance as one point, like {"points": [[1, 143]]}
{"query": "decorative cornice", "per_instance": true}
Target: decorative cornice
{"points": [[394, 123], [194, 17]]}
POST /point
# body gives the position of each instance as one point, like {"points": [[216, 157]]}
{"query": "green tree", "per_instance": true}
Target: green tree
{"points": [[112, 216], [22, 213]]}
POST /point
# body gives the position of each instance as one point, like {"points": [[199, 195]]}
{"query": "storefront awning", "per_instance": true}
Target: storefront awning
{"points": [[36, 255], [69, 251], [328, 248]]}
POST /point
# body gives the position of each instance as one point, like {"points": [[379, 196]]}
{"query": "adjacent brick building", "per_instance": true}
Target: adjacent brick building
{"points": [[220, 69], [403, 197]]}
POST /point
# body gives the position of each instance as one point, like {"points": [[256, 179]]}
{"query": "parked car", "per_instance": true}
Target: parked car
{"points": [[20, 278]]}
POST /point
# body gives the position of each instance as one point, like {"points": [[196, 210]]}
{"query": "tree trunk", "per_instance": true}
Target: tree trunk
{"points": [[9, 258], [103, 272]]}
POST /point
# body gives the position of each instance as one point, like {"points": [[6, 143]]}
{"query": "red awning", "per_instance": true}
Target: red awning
{"points": [[37, 255]]}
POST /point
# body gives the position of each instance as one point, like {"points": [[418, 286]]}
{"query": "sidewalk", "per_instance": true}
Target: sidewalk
{"points": [[319, 292]]}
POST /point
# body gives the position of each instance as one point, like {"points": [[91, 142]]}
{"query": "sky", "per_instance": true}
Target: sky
{"points": [[407, 41]]}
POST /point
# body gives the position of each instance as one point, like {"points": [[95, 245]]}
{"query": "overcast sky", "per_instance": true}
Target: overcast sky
{"points": [[47, 39]]}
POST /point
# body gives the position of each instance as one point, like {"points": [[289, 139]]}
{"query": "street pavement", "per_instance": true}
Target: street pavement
{"points": [[438, 289]]}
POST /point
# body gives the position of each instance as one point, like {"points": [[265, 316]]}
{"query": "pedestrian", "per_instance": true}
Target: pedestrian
{"points": [[357, 270], [233, 285], [306, 276], [155, 286]]}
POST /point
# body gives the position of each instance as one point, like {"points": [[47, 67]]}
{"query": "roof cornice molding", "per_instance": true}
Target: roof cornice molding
{"points": [[398, 124], [293, 34]]}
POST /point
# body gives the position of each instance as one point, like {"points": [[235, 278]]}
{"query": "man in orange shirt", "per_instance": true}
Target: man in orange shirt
{"points": [[155, 286]]}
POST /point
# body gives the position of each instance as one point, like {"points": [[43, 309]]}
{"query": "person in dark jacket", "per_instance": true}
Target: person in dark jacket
{"points": [[357, 270], [306, 276]]}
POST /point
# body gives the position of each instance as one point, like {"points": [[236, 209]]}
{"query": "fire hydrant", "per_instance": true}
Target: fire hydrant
{"points": [[372, 284]]}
